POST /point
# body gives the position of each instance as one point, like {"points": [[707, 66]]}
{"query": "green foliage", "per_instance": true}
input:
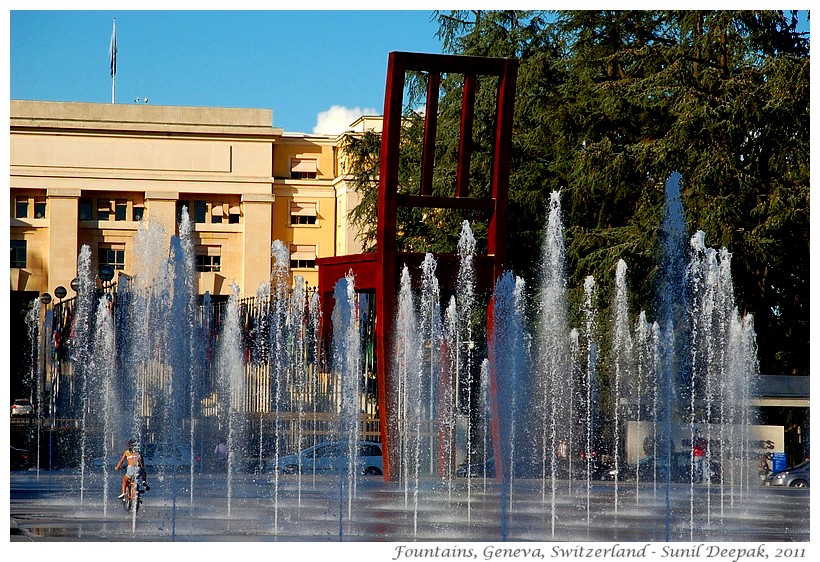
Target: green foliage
{"points": [[608, 104], [363, 153]]}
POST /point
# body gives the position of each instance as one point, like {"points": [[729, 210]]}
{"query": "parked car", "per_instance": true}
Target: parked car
{"points": [[794, 477], [598, 468], [681, 471], [109, 461], [22, 407], [161, 456], [19, 459], [332, 457], [579, 468], [156, 456]]}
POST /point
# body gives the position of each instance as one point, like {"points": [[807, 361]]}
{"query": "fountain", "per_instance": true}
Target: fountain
{"points": [[509, 349], [346, 349], [152, 363], [231, 386], [622, 351]]}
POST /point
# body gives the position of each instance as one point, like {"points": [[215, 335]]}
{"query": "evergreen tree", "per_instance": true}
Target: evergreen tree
{"points": [[608, 104]]}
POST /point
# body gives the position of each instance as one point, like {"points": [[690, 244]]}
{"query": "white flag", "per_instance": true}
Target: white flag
{"points": [[112, 50]]}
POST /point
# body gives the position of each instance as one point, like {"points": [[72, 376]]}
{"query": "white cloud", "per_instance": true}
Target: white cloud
{"points": [[337, 119]]}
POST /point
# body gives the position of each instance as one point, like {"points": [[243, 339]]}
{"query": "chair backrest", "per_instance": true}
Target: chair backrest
{"points": [[399, 63]]}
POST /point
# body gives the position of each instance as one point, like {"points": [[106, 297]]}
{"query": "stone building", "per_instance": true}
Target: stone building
{"points": [[94, 174], [88, 173]]}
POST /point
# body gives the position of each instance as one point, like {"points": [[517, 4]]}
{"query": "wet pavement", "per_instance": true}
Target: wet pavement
{"points": [[64, 506]]}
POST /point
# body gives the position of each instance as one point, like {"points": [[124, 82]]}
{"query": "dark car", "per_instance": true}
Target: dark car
{"points": [[646, 471], [19, 459], [486, 468], [795, 477], [477, 469]]}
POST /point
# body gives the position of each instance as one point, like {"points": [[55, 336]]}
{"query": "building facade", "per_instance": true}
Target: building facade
{"points": [[94, 174]]}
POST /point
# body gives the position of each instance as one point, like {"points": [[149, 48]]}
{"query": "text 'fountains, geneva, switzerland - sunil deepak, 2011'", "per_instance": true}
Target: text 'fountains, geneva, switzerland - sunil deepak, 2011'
{"points": [[513, 432]]}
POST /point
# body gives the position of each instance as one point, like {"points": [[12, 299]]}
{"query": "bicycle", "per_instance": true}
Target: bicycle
{"points": [[133, 495]]}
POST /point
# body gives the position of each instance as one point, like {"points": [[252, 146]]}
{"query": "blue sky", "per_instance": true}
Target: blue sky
{"points": [[298, 63], [303, 65]]}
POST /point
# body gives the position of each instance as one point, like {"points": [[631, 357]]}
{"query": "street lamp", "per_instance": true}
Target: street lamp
{"points": [[106, 273], [75, 285]]}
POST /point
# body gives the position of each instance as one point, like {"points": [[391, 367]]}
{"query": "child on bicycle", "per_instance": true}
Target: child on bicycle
{"points": [[135, 468]]}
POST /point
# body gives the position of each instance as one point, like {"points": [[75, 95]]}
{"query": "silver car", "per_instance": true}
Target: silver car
{"points": [[163, 456], [332, 457], [794, 477], [22, 407]]}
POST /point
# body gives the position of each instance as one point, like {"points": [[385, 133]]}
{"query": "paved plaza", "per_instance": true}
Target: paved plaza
{"points": [[64, 506]]}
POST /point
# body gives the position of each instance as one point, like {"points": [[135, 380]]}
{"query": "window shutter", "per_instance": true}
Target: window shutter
{"points": [[303, 165], [302, 252], [303, 209]]}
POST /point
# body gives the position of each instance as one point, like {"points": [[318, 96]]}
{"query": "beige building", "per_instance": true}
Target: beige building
{"points": [[88, 173]]}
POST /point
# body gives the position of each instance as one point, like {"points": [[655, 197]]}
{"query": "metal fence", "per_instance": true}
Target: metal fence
{"points": [[306, 412]]}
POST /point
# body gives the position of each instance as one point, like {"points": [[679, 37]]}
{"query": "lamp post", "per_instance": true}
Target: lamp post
{"points": [[45, 300], [60, 292]]}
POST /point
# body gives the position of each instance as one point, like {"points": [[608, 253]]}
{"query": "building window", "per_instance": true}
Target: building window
{"points": [[197, 210], [137, 213], [217, 213], [302, 256], [303, 220], [39, 208], [233, 214], [21, 208], [302, 213], [121, 210], [302, 264], [200, 210], [303, 168], [180, 206], [113, 256], [18, 253], [208, 263], [103, 209], [208, 258], [86, 207]]}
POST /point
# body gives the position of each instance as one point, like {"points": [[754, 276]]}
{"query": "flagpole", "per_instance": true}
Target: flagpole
{"points": [[112, 56]]}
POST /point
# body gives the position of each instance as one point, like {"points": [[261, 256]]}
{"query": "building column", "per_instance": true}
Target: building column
{"points": [[63, 236], [161, 207], [257, 211]]}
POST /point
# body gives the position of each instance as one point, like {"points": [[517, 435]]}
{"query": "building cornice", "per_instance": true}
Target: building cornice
{"points": [[135, 175], [123, 119]]}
